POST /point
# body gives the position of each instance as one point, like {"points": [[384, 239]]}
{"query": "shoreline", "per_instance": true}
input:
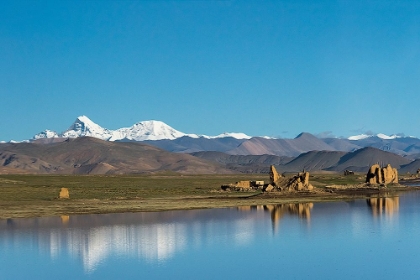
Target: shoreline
{"points": [[29, 196], [69, 207]]}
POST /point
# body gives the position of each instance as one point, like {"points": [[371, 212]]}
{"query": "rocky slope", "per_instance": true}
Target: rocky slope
{"points": [[87, 155], [358, 161]]}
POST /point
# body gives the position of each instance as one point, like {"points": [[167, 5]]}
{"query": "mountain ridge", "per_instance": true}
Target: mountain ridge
{"points": [[161, 135], [83, 126], [88, 155], [140, 131]]}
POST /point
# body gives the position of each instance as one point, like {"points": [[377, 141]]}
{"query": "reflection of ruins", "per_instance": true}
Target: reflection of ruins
{"points": [[383, 205], [277, 212]]}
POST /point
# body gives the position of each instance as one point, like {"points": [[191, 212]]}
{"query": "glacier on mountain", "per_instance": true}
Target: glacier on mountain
{"points": [[141, 131], [152, 130], [379, 135], [46, 134]]}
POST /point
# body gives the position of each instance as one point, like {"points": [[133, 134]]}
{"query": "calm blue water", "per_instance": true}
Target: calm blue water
{"points": [[377, 238]]}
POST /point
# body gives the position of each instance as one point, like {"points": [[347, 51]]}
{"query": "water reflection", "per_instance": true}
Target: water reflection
{"points": [[159, 237], [278, 211], [151, 237], [380, 206]]}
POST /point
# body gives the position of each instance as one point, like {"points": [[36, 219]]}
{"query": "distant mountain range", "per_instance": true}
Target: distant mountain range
{"points": [[304, 142], [358, 161], [153, 146], [163, 136], [87, 155], [141, 131]]}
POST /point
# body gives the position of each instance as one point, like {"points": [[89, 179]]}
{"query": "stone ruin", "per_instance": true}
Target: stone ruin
{"points": [[299, 182], [64, 193], [348, 172], [385, 175], [244, 186]]}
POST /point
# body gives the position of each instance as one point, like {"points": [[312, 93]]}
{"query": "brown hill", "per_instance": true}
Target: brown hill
{"points": [[244, 163], [314, 160], [304, 142], [362, 159], [88, 155], [358, 161], [411, 167], [343, 145], [190, 145]]}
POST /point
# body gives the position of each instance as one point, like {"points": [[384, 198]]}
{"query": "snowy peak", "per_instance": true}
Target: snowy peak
{"points": [[46, 134], [141, 131], [359, 137], [83, 126], [379, 135], [384, 136], [237, 135], [148, 130]]}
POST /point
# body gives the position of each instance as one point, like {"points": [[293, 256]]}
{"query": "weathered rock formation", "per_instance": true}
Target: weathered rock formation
{"points": [[299, 182], [274, 175], [64, 193], [386, 175]]}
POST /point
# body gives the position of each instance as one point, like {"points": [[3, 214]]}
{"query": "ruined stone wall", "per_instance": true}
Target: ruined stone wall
{"points": [[386, 175], [299, 182], [243, 184]]}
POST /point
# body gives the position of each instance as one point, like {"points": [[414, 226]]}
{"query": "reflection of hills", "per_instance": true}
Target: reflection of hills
{"points": [[383, 205], [153, 242], [152, 237]]}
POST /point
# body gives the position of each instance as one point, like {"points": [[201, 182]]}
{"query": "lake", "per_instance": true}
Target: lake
{"points": [[372, 238]]}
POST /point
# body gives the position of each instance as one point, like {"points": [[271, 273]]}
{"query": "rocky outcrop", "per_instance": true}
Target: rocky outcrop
{"points": [[64, 193], [274, 175], [390, 175], [386, 175], [299, 182]]}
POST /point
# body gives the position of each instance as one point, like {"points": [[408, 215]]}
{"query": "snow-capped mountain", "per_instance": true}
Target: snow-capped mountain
{"points": [[82, 126], [141, 131], [154, 130], [237, 135], [379, 135], [148, 130], [46, 134]]}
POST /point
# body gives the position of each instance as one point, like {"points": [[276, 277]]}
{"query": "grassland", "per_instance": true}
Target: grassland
{"points": [[37, 195]]}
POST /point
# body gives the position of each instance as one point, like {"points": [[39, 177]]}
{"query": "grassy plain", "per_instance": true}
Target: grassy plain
{"points": [[37, 195]]}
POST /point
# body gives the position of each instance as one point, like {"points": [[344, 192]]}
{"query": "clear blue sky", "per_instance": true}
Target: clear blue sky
{"points": [[274, 68]]}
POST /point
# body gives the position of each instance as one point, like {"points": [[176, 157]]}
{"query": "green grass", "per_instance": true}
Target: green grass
{"points": [[37, 195], [321, 180], [47, 187]]}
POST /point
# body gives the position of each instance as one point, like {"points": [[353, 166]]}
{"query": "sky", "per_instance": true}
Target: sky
{"points": [[264, 68]]}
